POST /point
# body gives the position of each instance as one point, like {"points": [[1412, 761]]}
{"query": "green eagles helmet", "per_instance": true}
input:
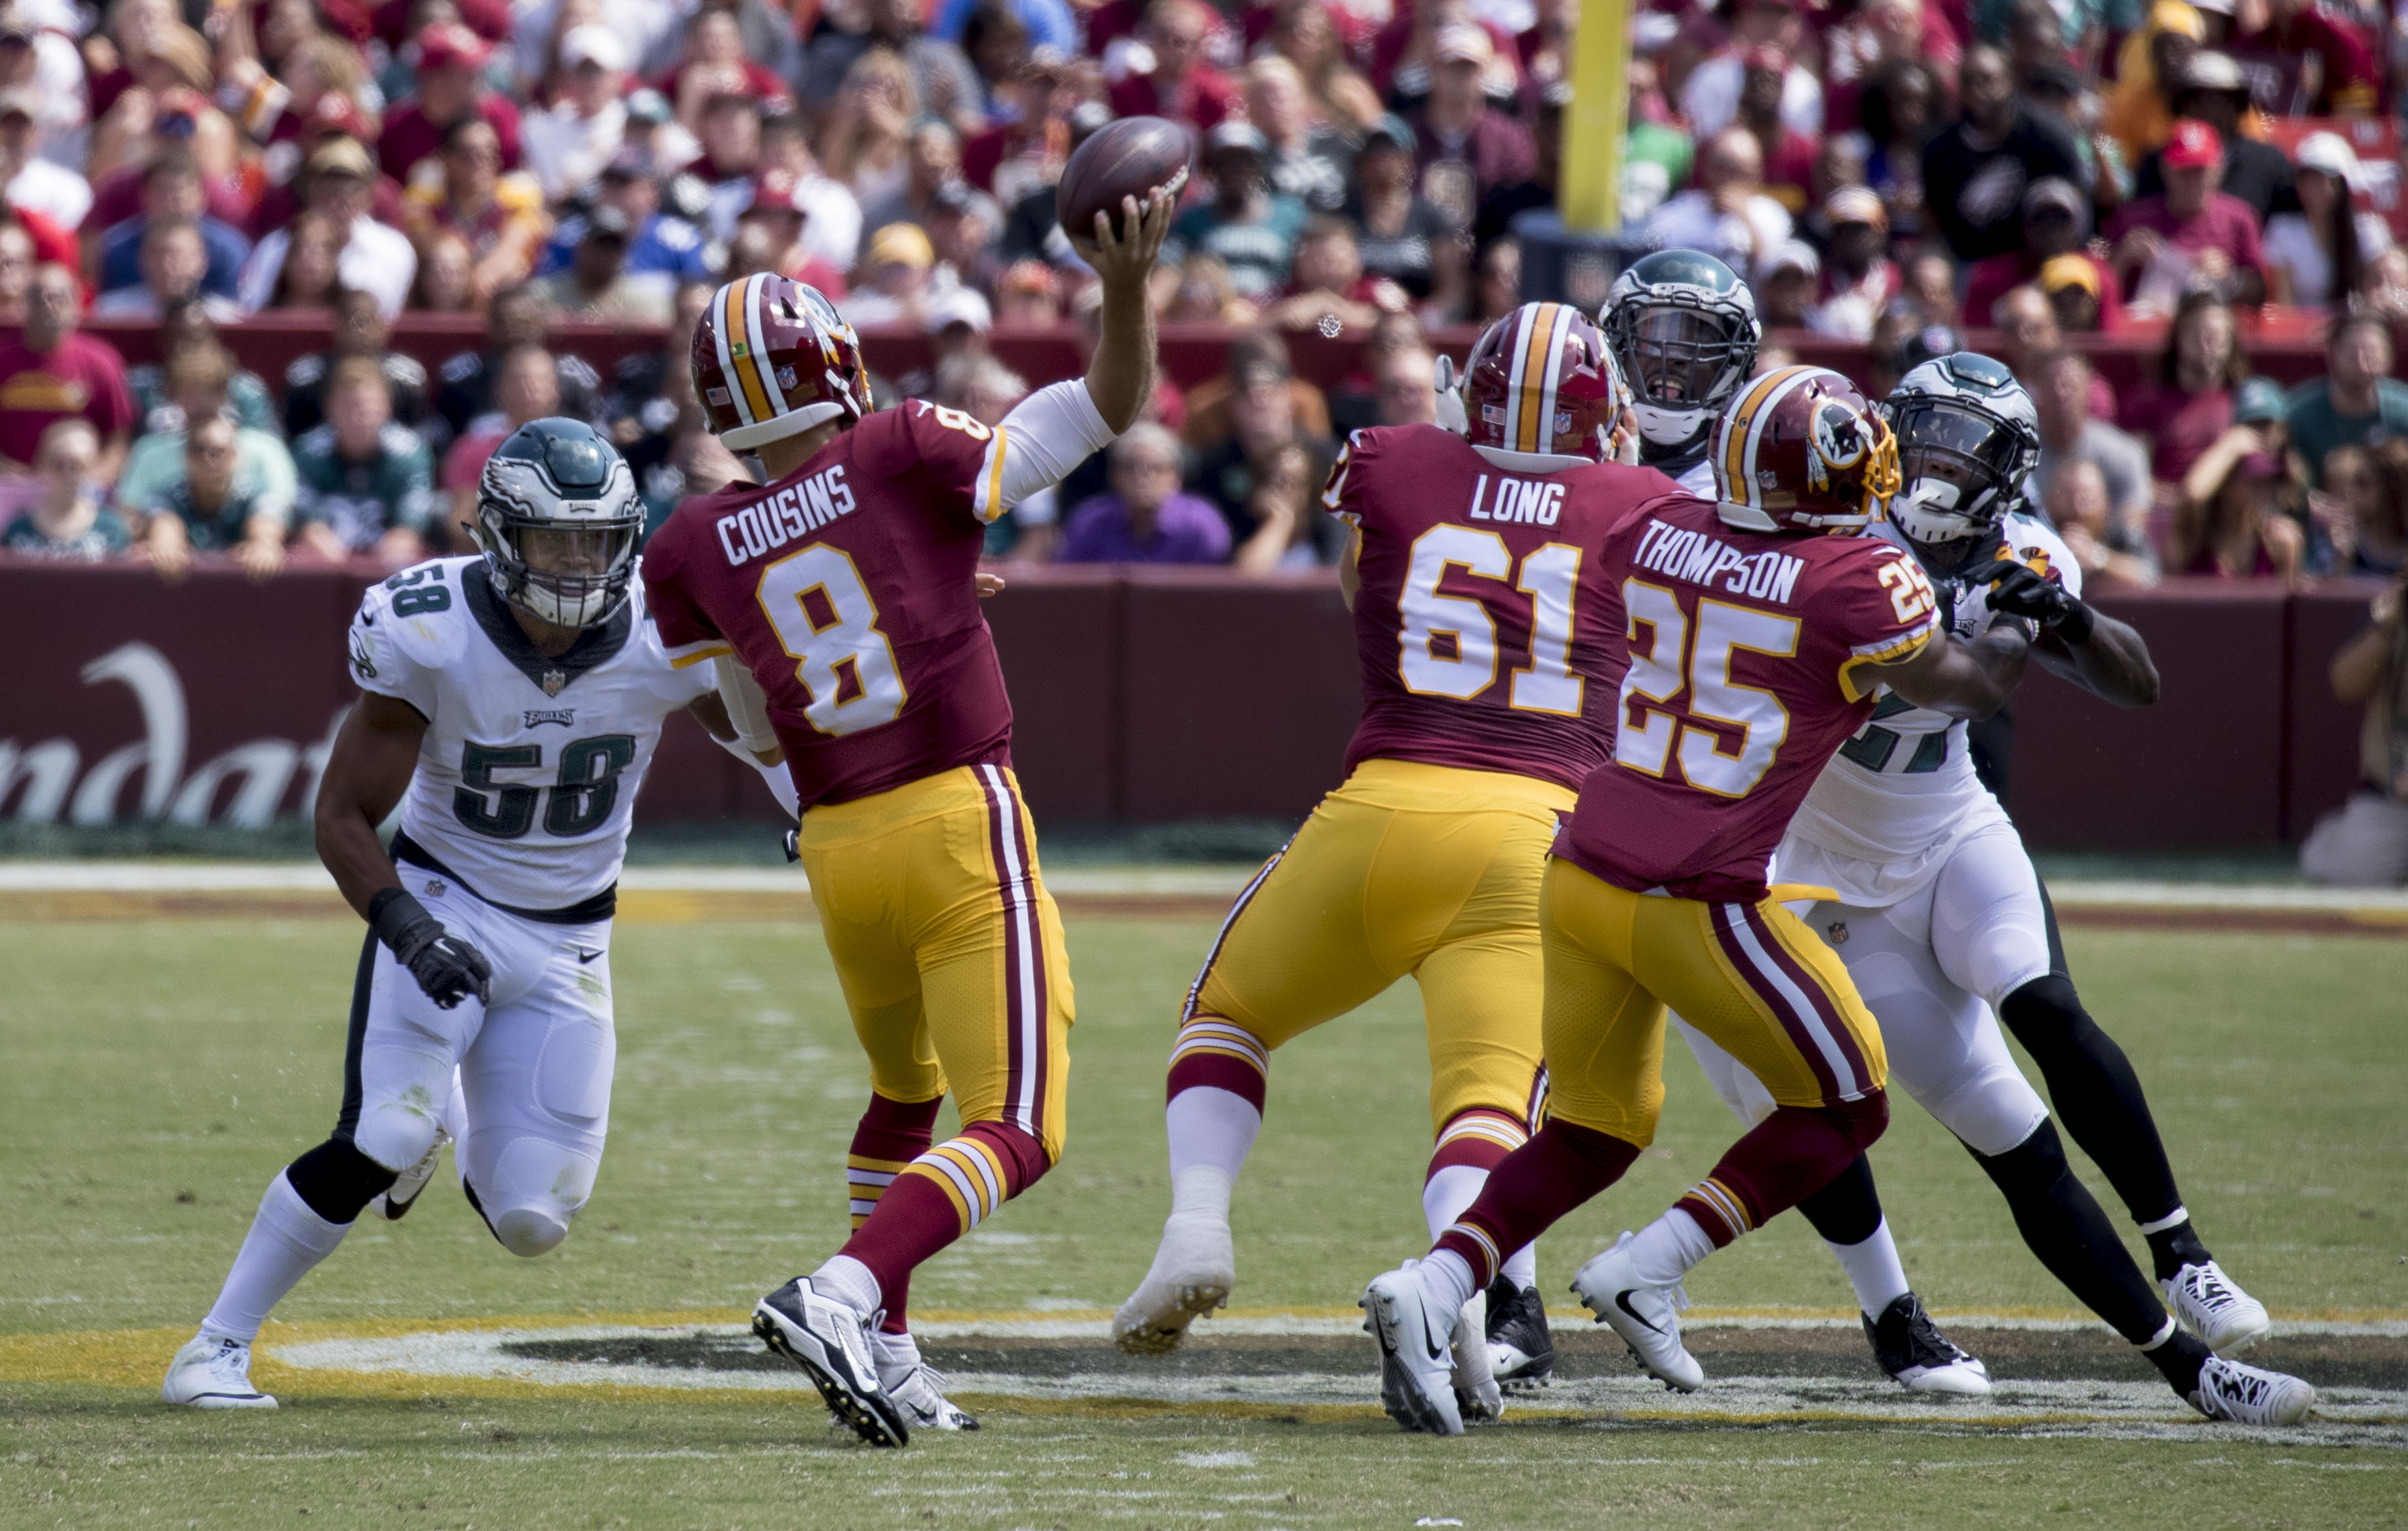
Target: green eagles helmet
{"points": [[1682, 332], [1967, 437], [558, 517]]}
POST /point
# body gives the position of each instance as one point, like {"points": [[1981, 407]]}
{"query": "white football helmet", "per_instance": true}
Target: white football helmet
{"points": [[1682, 332], [1967, 437], [559, 481]]}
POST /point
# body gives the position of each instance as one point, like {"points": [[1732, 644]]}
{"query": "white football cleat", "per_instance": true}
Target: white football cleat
{"points": [[2218, 1313], [393, 1203], [830, 1341], [1416, 1359], [2239, 1394], [1193, 1270], [1645, 1315], [213, 1371], [1918, 1357], [1477, 1398]]}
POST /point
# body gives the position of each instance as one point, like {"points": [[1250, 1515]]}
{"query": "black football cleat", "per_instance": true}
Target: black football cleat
{"points": [[1918, 1357], [1521, 1351]]}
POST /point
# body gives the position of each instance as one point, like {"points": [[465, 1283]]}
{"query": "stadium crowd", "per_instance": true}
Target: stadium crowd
{"points": [[1888, 172]]}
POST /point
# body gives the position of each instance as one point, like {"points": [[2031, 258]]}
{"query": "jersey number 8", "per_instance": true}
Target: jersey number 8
{"points": [[1696, 658], [1550, 576], [825, 618]]}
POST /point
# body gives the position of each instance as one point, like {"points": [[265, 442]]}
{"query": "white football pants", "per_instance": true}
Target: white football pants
{"points": [[1932, 967], [533, 1064]]}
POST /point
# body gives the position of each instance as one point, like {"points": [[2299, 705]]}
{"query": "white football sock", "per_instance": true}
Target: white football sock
{"points": [[1447, 1277], [1668, 1248], [1447, 1192], [1200, 1191], [1522, 1267], [285, 1243], [1873, 1269], [896, 1354], [1209, 1125], [849, 1281]]}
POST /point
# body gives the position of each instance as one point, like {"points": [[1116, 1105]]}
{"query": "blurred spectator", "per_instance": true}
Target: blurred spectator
{"points": [[1498, 283], [1932, 288], [446, 276], [1329, 282], [864, 142], [1408, 388], [1881, 33], [526, 386], [714, 64], [662, 242], [2068, 100], [2190, 237], [500, 216], [2028, 334], [2064, 391], [651, 407], [366, 484], [2151, 62], [16, 268], [214, 506], [1537, 190], [2319, 255], [2321, 65], [1466, 149], [2214, 92], [2075, 293], [1259, 353], [1203, 294], [186, 326], [2369, 493], [2190, 403], [2056, 223], [1341, 99], [1262, 476], [337, 117], [32, 183], [2364, 843], [1709, 97], [996, 42], [199, 380], [172, 192], [517, 316], [1975, 169], [1401, 236], [1247, 226], [1788, 155], [309, 276], [2358, 401], [941, 78], [569, 144], [174, 260], [932, 166], [892, 281], [373, 258], [49, 372], [1785, 285], [1858, 279], [1029, 294], [1901, 342], [2241, 530], [38, 53], [1728, 214], [1355, 402], [598, 289], [1146, 517], [961, 228], [451, 88], [175, 78], [1307, 162], [1902, 102], [2078, 504], [360, 330], [1168, 75], [67, 520], [1050, 25], [783, 211]]}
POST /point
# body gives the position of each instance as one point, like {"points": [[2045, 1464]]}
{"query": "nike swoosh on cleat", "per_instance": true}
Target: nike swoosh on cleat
{"points": [[584, 957], [1622, 1300]]}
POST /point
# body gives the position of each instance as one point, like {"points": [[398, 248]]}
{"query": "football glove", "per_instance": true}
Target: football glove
{"points": [[448, 968], [2020, 591]]}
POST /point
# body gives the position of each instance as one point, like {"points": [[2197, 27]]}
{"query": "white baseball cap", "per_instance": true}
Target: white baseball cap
{"points": [[592, 44], [2329, 152]]}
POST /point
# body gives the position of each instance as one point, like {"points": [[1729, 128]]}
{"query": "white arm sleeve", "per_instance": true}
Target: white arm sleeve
{"points": [[1047, 434], [747, 708]]}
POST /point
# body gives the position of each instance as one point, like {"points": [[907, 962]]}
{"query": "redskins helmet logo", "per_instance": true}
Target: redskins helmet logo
{"points": [[1838, 436]]}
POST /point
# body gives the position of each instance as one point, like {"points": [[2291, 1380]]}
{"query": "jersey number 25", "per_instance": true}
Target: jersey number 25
{"points": [[1447, 644], [1683, 678]]}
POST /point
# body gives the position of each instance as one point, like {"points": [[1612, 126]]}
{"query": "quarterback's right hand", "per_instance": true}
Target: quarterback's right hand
{"points": [[448, 968]]}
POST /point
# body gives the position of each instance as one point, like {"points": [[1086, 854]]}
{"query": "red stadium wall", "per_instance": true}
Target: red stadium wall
{"points": [[1143, 696]]}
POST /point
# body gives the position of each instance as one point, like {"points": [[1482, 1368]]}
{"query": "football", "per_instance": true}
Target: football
{"points": [[1127, 158]]}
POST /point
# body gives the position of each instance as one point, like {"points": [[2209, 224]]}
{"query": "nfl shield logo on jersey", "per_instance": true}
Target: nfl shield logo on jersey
{"points": [[554, 680]]}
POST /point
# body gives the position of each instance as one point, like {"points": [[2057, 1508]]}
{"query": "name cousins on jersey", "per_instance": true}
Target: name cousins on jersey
{"points": [[1702, 560], [776, 520]]}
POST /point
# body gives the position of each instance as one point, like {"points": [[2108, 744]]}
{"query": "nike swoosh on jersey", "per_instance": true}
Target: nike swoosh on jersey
{"points": [[1622, 1300], [584, 957]]}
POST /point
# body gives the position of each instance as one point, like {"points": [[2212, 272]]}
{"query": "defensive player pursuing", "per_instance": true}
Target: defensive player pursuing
{"points": [[1941, 921], [510, 704], [841, 598], [1481, 624], [1754, 643], [1683, 331]]}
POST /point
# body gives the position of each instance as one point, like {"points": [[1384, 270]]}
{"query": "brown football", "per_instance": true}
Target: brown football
{"points": [[1127, 158]]}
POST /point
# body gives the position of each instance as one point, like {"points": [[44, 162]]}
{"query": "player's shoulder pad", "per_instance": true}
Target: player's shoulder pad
{"points": [[419, 617], [2034, 542]]}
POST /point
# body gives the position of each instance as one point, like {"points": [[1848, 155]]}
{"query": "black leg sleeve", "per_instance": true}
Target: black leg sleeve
{"points": [[337, 1180], [1848, 1209], [2064, 1225], [2093, 1088]]}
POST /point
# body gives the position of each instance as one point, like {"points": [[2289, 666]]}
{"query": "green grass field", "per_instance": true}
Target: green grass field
{"points": [[159, 1072]]}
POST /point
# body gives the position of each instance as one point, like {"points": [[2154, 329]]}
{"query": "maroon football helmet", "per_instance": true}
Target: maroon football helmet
{"points": [[1539, 381], [1800, 449], [771, 359]]}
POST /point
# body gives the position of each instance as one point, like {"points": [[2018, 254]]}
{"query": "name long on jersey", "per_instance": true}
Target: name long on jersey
{"points": [[527, 776], [1903, 782]]}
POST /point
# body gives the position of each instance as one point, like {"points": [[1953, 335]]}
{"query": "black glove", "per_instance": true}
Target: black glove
{"points": [[2020, 591], [448, 969]]}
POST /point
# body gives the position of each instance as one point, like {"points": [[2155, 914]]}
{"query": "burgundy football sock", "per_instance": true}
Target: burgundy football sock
{"points": [[1783, 1160], [892, 1134], [1556, 1170], [942, 1194]]}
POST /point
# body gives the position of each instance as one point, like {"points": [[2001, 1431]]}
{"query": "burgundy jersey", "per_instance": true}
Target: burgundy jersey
{"points": [[1745, 657], [846, 588], [1484, 623]]}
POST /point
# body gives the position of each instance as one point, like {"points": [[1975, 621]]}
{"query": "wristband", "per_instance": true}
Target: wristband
{"points": [[400, 921], [2074, 626]]}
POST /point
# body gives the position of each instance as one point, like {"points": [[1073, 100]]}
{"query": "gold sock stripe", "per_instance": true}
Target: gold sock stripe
{"points": [[1726, 1206], [1495, 1127], [971, 1175], [1225, 1038], [1487, 1245], [867, 1186]]}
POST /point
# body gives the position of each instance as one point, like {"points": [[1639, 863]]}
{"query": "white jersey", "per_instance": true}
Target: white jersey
{"points": [[1899, 793], [530, 770], [1700, 480]]}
